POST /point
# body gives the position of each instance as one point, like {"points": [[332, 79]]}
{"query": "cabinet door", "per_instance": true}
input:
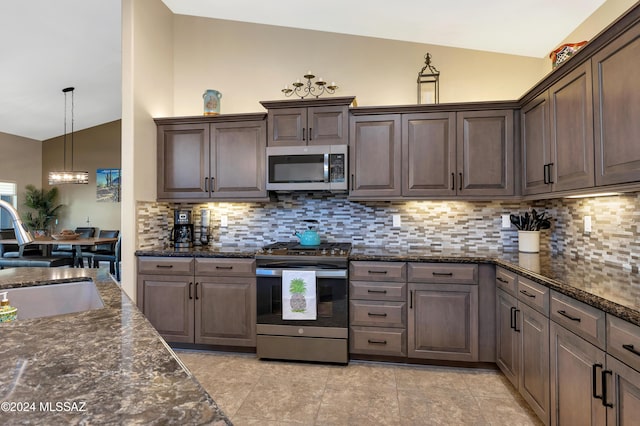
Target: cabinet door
{"points": [[573, 363], [168, 305], [536, 145], [622, 393], [485, 153], [328, 125], [375, 156], [534, 354], [428, 154], [507, 337], [183, 161], [225, 311], [238, 159], [443, 322], [616, 109], [286, 126], [572, 131]]}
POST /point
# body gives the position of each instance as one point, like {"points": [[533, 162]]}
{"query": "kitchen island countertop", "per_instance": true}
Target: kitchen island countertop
{"points": [[103, 366]]}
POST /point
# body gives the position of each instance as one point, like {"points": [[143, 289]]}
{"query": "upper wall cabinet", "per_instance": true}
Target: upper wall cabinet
{"points": [[617, 109], [219, 157], [308, 122], [536, 145]]}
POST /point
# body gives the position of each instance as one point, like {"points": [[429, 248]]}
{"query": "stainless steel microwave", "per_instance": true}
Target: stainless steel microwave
{"points": [[307, 168]]}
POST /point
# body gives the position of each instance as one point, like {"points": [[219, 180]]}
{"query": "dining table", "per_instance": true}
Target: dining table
{"points": [[47, 244]]}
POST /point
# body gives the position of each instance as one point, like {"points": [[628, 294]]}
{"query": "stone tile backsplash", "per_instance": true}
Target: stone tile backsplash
{"points": [[438, 224]]}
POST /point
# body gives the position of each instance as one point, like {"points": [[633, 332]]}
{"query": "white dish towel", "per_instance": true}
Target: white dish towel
{"points": [[299, 295]]}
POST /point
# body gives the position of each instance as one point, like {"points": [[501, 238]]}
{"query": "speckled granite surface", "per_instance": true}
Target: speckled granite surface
{"points": [[607, 287], [199, 251], [104, 366]]}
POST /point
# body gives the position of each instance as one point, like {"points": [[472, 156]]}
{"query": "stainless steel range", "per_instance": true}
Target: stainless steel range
{"points": [[315, 329]]}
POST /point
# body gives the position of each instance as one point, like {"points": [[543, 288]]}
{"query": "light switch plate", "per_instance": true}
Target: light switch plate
{"points": [[224, 221], [397, 222], [506, 221], [587, 224]]}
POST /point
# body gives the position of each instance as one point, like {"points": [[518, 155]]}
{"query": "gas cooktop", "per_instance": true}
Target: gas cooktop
{"points": [[293, 248]]}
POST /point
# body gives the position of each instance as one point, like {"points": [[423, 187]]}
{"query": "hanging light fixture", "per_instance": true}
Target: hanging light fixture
{"points": [[72, 176]]}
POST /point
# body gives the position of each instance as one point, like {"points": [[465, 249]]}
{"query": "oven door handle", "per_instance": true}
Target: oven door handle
{"points": [[338, 273]]}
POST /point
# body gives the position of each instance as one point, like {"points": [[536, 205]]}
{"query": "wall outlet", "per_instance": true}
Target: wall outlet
{"points": [[587, 224], [506, 221], [397, 222], [224, 221]]}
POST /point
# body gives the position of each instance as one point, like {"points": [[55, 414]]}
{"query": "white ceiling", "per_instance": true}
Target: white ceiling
{"points": [[77, 42]]}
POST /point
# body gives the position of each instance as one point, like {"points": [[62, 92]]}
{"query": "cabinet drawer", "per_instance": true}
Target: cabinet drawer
{"points": [[506, 280], [389, 291], [534, 294], [377, 314], [225, 267], [378, 271], [378, 341], [444, 273], [623, 341], [584, 320], [165, 265]]}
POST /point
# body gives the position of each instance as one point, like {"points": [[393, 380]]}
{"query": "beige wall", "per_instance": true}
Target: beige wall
{"points": [[251, 62], [147, 81], [20, 163], [94, 148]]}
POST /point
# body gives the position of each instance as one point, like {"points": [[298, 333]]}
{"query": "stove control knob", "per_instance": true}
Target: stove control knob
{"points": [[269, 251], [301, 331], [324, 251]]}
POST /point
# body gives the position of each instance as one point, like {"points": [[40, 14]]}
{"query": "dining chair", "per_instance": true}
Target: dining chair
{"points": [[107, 248], [113, 259], [66, 250], [13, 250]]}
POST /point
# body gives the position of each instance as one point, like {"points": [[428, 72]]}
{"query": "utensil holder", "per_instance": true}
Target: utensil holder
{"points": [[529, 241]]}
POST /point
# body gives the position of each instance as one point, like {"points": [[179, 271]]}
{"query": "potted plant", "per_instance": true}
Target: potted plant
{"points": [[529, 226], [44, 204]]}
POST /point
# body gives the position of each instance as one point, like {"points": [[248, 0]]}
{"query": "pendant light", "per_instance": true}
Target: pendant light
{"points": [[72, 176]]}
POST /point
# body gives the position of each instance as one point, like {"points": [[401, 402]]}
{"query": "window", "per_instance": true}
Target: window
{"points": [[8, 194]]}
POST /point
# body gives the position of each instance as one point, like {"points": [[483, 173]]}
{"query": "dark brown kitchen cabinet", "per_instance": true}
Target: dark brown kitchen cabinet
{"points": [[484, 153], [571, 131], [443, 311], [536, 145], [576, 368], [315, 121], [203, 300], [429, 154], [616, 109], [223, 159], [468, 153], [522, 339], [375, 156]]}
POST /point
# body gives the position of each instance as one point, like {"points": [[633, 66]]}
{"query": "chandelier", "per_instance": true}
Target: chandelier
{"points": [[308, 88], [71, 176]]}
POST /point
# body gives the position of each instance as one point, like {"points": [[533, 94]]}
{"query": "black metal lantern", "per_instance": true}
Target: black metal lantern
{"points": [[428, 83]]}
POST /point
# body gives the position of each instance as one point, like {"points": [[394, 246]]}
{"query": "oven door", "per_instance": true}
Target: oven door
{"points": [[331, 296]]}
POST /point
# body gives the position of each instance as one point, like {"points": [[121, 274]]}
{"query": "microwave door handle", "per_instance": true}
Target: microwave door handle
{"points": [[326, 167]]}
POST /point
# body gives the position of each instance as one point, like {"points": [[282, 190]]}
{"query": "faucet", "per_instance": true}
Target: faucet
{"points": [[22, 235]]}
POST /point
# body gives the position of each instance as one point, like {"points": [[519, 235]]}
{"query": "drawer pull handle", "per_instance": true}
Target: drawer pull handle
{"points": [[604, 387], [442, 274], [377, 342], [631, 349], [566, 315], [373, 314], [224, 267], [526, 293], [377, 272], [164, 266], [377, 291], [594, 379], [502, 280]]}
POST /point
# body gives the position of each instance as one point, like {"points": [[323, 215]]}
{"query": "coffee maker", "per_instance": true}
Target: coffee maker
{"points": [[182, 232]]}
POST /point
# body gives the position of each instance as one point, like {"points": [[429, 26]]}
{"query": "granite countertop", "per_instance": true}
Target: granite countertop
{"points": [[103, 366], [200, 251], [607, 287]]}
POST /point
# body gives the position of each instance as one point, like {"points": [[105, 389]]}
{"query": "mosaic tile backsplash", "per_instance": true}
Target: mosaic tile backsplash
{"points": [[438, 224]]}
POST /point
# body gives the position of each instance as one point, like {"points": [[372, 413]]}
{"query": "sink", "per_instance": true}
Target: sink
{"points": [[54, 299]]}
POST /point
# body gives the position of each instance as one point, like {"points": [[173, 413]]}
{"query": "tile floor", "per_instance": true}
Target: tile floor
{"points": [[257, 392]]}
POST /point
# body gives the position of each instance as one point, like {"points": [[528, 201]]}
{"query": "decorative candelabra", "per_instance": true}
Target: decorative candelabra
{"points": [[305, 89]]}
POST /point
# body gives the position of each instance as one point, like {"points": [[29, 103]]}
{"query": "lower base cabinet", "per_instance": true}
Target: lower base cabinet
{"points": [[210, 301], [621, 393]]}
